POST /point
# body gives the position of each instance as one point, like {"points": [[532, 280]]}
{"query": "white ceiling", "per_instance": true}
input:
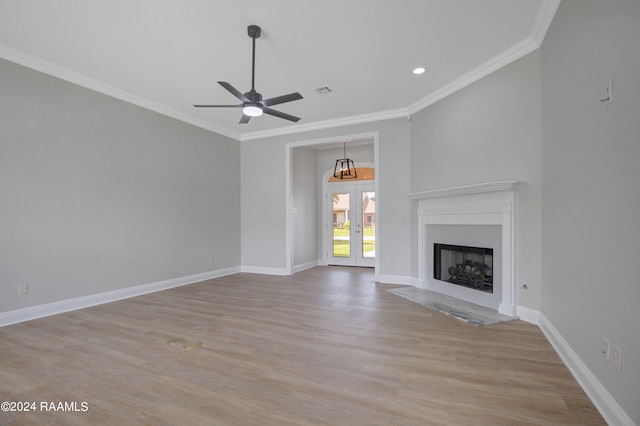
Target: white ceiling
{"points": [[167, 55]]}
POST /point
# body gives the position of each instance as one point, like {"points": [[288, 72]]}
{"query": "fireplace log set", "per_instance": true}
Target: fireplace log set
{"points": [[472, 274]]}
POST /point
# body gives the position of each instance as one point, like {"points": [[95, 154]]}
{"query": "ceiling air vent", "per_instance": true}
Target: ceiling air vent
{"points": [[323, 90]]}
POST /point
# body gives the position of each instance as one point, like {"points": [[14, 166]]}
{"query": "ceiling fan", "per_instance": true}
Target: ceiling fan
{"points": [[252, 103]]}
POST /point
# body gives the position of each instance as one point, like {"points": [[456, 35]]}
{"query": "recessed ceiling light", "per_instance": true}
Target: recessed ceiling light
{"points": [[419, 70]]}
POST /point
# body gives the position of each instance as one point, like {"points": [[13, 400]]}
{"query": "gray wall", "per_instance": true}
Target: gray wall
{"points": [[263, 200], [486, 132], [591, 193], [98, 195], [265, 246]]}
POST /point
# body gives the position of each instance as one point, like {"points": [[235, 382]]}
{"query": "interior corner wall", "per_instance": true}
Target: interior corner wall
{"points": [[591, 187], [99, 195], [263, 185], [489, 131], [263, 206], [304, 184]]}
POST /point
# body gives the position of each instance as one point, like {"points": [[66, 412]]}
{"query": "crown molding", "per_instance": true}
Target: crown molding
{"points": [[542, 22], [327, 124], [49, 68], [545, 15], [505, 58]]}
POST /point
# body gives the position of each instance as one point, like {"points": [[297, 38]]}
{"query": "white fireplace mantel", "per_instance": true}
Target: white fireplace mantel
{"points": [[491, 203], [478, 188]]}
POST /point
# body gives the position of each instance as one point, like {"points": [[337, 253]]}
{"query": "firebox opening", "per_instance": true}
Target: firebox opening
{"points": [[470, 267]]}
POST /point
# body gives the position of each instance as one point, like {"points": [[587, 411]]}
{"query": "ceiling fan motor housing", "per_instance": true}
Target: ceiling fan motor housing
{"points": [[253, 96]]}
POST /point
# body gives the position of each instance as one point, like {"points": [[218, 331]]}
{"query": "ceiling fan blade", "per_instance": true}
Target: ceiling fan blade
{"points": [[219, 106], [280, 114], [235, 92], [282, 99], [245, 119]]}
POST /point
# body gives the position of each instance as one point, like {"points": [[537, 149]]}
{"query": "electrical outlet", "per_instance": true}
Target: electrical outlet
{"points": [[616, 359], [211, 259], [23, 289], [604, 350]]}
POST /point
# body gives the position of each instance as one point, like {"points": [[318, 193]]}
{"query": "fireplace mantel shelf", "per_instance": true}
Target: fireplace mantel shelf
{"points": [[507, 185]]}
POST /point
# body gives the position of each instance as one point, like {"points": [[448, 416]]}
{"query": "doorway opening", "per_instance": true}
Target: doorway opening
{"points": [[307, 246]]}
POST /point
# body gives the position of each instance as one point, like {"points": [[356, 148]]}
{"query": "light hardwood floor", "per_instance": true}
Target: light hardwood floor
{"points": [[327, 346]]}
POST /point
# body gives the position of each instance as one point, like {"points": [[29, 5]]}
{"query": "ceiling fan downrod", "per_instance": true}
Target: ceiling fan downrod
{"points": [[254, 32]]}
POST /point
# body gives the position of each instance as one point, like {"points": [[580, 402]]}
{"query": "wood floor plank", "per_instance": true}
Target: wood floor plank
{"points": [[327, 346]]}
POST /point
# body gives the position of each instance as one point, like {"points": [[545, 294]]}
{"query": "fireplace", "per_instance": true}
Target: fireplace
{"points": [[464, 260], [471, 230], [470, 267]]}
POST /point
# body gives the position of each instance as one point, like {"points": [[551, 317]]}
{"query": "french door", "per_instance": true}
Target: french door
{"points": [[350, 237]]}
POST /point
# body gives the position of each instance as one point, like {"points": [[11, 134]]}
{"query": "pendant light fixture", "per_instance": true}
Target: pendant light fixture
{"points": [[345, 169]]}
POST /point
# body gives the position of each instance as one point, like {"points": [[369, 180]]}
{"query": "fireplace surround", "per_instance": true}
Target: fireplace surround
{"points": [[478, 215]]}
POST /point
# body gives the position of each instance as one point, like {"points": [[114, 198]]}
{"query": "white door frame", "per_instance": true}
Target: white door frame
{"points": [[289, 238]]}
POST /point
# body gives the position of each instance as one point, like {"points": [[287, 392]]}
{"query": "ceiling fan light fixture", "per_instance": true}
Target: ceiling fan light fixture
{"points": [[252, 111]]}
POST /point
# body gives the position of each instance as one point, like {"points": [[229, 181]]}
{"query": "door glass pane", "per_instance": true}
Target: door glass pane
{"points": [[341, 225], [369, 225]]}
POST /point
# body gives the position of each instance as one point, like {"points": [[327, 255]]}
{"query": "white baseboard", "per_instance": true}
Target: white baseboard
{"points": [[47, 309], [417, 283], [529, 315], [304, 266], [612, 413], [394, 279], [263, 270]]}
